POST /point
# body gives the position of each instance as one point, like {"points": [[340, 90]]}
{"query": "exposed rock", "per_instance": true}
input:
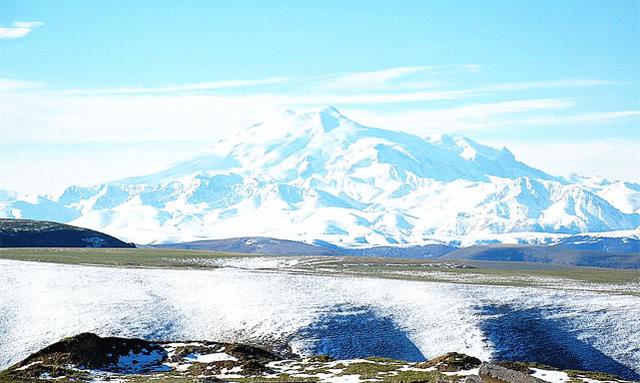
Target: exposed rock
{"points": [[89, 358], [207, 379], [91, 351], [492, 373], [245, 352], [452, 361], [516, 366], [321, 358], [594, 375]]}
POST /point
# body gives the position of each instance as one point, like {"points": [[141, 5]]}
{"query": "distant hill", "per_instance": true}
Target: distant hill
{"points": [[623, 243], [275, 246], [580, 250], [562, 255], [32, 233], [254, 245], [392, 251]]}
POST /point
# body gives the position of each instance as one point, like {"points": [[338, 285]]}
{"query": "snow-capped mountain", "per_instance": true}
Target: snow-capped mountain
{"points": [[320, 176], [625, 196]]}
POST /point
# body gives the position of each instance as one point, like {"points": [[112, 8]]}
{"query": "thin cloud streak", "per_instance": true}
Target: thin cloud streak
{"points": [[607, 158], [349, 89], [383, 98], [180, 88], [9, 85], [531, 85], [19, 29], [584, 118], [155, 112], [485, 117], [373, 80], [458, 118], [410, 77]]}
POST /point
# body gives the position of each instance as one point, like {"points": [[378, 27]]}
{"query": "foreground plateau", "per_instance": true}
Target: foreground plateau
{"points": [[345, 307]]}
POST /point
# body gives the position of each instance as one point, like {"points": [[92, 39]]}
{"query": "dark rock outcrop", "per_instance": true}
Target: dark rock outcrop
{"points": [[492, 373], [91, 351], [452, 361]]}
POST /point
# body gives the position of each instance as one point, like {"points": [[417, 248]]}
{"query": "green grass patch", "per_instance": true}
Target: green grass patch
{"points": [[483, 272], [418, 376], [127, 257], [511, 272], [279, 378], [367, 370], [379, 359]]}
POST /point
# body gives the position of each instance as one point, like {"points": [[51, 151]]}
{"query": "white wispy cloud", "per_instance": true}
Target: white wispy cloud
{"points": [[388, 86], [531, 85], [409, 77], [486, 117], [374, 98], [607, 158], [19, 29], [8, 84], [373, 80], [414, 77], [472, 68], [507, 107], [179, 88], [467, 117], [50, 117], [580, 118], [140, 113]]}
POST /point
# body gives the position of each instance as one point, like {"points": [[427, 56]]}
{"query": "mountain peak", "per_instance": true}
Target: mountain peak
{"points": [[330, 109], [318, 175]]}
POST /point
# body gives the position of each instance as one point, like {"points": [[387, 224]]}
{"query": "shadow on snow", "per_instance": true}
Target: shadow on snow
{"points": [[348, 333], [531, 336]]}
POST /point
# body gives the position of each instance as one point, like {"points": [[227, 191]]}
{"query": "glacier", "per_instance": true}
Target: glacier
{"points": [[320, 176]]}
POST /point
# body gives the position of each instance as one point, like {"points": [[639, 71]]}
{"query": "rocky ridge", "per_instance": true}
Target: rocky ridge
{"points": [[89, 358]]}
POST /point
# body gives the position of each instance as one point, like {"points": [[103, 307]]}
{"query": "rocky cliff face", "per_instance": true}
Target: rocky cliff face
{"points": [[90, 358]]}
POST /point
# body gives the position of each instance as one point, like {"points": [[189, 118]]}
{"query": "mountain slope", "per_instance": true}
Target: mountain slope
{"points": [[545, 254], [275, 246], [320, 176], [30, 233], [625, 196], [253, 245]]}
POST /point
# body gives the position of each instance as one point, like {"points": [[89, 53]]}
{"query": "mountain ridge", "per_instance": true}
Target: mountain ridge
{"points": [[321, 176]]}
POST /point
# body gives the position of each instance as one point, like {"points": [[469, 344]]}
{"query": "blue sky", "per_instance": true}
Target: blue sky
{"points": [[79, 79]]}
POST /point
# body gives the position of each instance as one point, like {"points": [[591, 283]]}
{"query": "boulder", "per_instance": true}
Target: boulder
{"points": [[452, 361], [492, 373]]}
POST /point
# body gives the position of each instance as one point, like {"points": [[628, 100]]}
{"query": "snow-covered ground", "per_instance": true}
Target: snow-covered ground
{"points": [[40, 303]]}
